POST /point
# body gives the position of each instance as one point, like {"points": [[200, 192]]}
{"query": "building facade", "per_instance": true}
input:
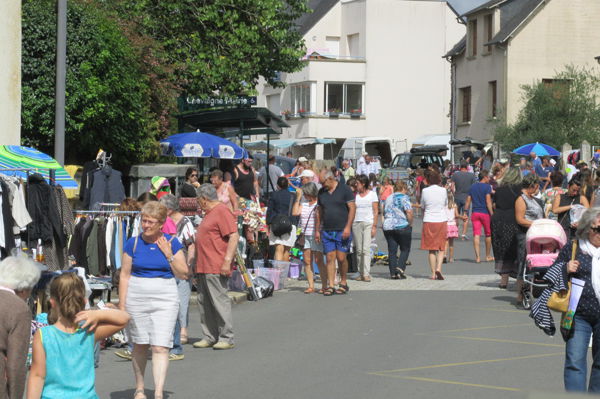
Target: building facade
{"points": [[373, 68], [510, 43], [10, 73]]}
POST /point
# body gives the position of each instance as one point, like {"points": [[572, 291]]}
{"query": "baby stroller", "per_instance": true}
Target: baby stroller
{"points": [[544, 240]]}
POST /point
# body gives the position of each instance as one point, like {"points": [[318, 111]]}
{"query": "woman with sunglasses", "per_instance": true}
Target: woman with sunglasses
{"points": [[188, 190], [563, 203]]}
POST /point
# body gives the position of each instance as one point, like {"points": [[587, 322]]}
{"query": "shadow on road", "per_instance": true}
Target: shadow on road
{"points": [[128, 394]]}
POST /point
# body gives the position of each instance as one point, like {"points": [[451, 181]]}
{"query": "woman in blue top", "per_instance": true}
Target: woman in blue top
{"points": [[397, 229], [63, 353], [148, 292]]}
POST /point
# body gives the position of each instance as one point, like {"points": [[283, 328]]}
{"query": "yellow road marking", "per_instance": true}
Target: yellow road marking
{"points": [[507, 341], [435, 366], [476, 328], [497, 310], [451, 382]]}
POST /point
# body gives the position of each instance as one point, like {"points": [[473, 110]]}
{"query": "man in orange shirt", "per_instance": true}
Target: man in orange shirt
{"points": [[216, 242]]}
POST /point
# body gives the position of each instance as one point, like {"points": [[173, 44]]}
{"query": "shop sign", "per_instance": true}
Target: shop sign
{"points": [[193, 103]]}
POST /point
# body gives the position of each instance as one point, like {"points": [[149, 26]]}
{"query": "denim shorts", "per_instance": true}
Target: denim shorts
{"points": [[333, 241], [311, 243]]}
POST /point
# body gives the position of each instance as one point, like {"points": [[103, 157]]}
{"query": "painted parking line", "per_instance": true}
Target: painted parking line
{"points": [[435, 366], [504, 341], [475, 328], [435, 380]]}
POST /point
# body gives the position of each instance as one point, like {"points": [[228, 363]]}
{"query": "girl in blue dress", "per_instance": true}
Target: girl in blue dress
{"points": [[63, 353]]}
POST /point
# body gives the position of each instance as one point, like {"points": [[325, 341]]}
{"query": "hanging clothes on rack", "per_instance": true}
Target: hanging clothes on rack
{"points": [[103, 184], [7, 239], [14, 216], [56, 256]]}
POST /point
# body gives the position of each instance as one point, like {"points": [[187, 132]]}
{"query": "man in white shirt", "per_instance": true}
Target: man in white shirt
{"points": [[368, 167], [275, 173]]}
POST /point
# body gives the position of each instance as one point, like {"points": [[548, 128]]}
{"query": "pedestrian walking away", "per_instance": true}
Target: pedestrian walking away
{"points": [[462, 180], [63, 353], [480, 196], [397, 229], [434, 201], [334, 229]]}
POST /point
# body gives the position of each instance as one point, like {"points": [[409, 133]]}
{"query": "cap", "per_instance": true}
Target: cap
{"points": [[552, 162], [302, 159], [307, 173]]}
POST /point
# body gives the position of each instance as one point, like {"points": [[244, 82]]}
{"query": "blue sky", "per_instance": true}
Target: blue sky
{"points": [[462, 6]]}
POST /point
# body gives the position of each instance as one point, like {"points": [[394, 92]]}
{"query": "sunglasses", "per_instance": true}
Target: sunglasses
{"points": [[193, 175], [596, 229]]}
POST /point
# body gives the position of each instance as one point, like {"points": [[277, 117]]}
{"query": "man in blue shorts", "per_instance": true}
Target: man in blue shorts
{"points": [[334, 228]]}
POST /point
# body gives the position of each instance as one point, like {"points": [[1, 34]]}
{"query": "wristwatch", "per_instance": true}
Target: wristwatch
{"points": [[171, 259]]}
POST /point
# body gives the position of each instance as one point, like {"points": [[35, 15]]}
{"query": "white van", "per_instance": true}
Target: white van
{"points": [[383, 148]]}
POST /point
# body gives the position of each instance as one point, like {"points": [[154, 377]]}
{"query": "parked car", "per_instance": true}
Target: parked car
{"points": [[382, 148], [418, 157]]}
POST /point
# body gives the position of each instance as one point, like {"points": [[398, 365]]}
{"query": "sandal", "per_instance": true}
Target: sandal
{"points": [[438, 276], [395, 277], [139, 394], [329, 291], [367, 279], [359, 278], [342, 289], [309, 290]]}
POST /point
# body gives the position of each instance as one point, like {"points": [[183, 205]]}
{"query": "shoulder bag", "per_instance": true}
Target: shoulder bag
{"points": [[282, 224], [559, 301], [302, 237]]}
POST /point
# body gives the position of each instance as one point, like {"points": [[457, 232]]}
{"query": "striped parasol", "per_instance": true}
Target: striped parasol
{"points": [[16, 157]]}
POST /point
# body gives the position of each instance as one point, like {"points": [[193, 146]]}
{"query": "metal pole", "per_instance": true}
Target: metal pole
{"points": [[61, 66], [267, 165]]}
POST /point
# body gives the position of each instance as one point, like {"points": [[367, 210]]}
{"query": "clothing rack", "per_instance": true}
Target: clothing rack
{"points": [[51, 172]]}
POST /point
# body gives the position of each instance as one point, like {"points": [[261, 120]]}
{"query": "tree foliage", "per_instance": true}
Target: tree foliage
{"points": [[221, 45], [565, 110], [108, 97]]}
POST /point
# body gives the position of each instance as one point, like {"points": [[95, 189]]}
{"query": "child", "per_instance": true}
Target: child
{"points": [[63, 353], [451, 214]]}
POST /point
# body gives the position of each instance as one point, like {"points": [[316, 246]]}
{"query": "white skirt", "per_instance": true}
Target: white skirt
{"points": [[287, 240], [153, 304]]}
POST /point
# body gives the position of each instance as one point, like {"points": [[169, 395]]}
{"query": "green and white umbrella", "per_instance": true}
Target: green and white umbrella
{"points": [[19, 157]]}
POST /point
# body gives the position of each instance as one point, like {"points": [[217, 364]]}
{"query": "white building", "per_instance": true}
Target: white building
{"points": [[510, 43], [375, 63], [10, 73]]}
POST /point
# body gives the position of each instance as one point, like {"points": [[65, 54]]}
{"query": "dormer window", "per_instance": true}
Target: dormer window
{"points": [[488, 28], [472, 38]]}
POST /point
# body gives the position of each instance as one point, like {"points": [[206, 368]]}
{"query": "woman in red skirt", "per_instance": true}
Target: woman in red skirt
{"points": [[434, 202]]}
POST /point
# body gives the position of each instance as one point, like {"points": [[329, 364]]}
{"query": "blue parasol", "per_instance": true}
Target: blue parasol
{"points": [[538, 148], [200, 145]]}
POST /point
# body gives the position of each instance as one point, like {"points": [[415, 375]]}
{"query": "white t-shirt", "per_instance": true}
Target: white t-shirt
{"points": [[434, 200], [364, 207]]}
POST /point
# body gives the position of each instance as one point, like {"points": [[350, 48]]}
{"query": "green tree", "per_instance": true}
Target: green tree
{"points": [[223, 45], [108, 97], [564, 110]]}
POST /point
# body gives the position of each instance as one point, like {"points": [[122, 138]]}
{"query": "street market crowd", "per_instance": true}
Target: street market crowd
{"points": [[332, 216]]}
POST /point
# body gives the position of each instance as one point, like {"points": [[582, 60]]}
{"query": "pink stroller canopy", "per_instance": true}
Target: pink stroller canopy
{"points": [[545, 231]]}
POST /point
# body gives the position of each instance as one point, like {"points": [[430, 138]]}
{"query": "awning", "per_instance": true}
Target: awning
{"points": [[286, 143]]}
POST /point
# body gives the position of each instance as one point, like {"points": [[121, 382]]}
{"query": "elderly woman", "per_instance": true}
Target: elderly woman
{"points": [[434, 201], [397, 229], [586, 324], [18, 276], [216, 243], [313, 250], [148, 292], [186, 234], [188, 190], [364, 227], [527, 209], [225, 190]]}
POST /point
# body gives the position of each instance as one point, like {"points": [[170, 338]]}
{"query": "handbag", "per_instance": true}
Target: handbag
{"points": [[300, 241], [282, 224], [559, 301]]}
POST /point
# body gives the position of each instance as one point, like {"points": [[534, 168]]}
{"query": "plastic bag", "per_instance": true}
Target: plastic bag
{"points": [[264, 287]]}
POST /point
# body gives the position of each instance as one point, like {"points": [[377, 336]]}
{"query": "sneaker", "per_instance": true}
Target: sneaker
{"points": [[174, 356], [124, 354], [222, 345], [202, 344]]}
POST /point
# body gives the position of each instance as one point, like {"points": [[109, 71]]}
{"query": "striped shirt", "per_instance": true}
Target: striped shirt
{"points": [[308, 226]]}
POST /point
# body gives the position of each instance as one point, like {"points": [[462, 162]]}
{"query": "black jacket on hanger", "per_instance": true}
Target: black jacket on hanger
{"points": [[43, 210], [9, 222]]}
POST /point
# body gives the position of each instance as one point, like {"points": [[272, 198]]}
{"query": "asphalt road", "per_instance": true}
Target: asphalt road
{"points": [[413, 338]]}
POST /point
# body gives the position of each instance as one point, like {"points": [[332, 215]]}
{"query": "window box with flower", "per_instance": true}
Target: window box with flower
{"points": [[356, 113], [303, 113], [333, 112]]}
